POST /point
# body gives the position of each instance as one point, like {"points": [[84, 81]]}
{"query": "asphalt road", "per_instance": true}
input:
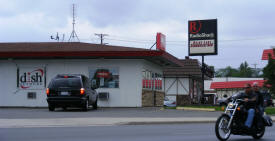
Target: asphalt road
{"points": [[36, 113], [173, 132]]}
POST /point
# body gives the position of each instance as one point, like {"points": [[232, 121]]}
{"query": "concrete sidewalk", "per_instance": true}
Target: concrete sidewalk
{"points": [[81, 122], [76, 122], [36, 117]]}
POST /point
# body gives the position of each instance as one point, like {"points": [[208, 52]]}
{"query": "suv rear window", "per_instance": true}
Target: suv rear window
{"points": [[65, 83]]}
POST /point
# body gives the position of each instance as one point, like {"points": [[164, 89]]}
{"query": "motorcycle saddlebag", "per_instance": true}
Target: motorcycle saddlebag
{"points": [[267, 120]]}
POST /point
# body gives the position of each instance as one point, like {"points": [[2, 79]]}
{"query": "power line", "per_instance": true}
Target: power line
{"points": [[143, 42], [173, 42], [101, 36], [185, 41], [135, 41]]}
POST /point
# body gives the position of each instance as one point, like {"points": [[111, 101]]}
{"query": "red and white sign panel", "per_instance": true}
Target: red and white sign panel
{"points": [[199, 46], [161, 41], [103, 74], [202, 37]]}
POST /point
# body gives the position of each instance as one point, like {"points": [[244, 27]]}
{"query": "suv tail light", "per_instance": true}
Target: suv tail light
{"points": [[82, 91], [48, 91]]}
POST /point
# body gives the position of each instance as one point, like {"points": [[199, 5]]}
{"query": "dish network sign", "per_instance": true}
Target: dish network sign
{"points": [[31, 78]]}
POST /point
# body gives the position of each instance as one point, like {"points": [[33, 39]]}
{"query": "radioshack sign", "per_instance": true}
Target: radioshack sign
{"points": [[202, 37], [31, 78]]}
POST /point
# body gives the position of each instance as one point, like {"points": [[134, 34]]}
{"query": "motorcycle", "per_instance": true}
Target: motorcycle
{"points": [[233, 119]]}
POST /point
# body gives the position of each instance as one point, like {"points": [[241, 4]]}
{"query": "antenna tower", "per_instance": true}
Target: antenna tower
{"points": [[73, 36]]}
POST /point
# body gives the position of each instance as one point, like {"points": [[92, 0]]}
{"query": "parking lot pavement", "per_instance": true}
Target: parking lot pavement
{"points": [[150, 112]]}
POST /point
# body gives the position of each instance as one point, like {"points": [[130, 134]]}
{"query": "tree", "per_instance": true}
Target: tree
{"points": [[245, 70], [227, 72], [269, 74]]}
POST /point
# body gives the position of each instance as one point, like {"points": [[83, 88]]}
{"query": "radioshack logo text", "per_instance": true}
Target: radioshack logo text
{"points": [[194, 27], [31, 79]]}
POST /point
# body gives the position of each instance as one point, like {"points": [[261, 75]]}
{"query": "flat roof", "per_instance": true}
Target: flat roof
{"points": [[79, 50], [235, 84]]}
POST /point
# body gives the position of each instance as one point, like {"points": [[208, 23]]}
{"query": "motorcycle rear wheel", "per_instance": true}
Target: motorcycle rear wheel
{"points": [[221, 130], [259, 135]]}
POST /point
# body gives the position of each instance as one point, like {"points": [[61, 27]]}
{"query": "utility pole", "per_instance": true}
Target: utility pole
{"points": [[255, 69], [255, 65], [202, 76], [101, 36]]}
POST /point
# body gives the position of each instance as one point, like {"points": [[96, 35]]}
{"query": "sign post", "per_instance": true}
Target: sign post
{"points": [[202, 40]]}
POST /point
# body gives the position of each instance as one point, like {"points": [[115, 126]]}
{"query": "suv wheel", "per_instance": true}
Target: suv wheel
{"points": [[86, 105], [95, 105], [51, 108]]}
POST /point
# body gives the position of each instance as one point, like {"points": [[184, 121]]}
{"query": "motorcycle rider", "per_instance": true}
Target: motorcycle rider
{"points": [[260, 103], [250, 98]]}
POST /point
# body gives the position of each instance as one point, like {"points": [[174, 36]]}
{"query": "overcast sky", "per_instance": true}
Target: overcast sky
{"points": [[245, 27]]}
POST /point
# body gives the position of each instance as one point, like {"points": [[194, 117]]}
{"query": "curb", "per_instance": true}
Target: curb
{"points": [[159, 122], [83, 122], [172, 122], [196, 109]]}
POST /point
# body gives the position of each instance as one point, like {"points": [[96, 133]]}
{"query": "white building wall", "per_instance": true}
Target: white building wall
{"points": [[173, 87], [170, 86], [10, 95], [127, 95], [153, 68], [184, 86]]}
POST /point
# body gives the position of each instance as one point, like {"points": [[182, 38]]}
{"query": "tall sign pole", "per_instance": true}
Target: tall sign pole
{"points": [[202, 40]]}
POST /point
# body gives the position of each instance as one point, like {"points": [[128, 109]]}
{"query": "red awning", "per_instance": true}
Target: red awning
{"points": [[234, 84], [266, 52]]}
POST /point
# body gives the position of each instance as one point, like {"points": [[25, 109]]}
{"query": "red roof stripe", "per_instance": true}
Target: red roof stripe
{"points": [[83, 50], [81, 54], [234, 84], [266, 52]]}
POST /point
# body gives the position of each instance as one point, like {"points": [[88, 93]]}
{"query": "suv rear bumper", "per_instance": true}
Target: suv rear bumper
{"points": [[66, 101]]}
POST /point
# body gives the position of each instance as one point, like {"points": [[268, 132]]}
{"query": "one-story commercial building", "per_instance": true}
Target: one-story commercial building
{"points": [[131, 77], [228, 88], [127, 77]]}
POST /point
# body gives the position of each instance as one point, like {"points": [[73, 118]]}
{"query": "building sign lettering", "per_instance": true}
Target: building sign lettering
{"points": [[31, 78]]}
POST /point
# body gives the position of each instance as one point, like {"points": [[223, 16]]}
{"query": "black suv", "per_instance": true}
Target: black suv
{"points": [[71, 90]]}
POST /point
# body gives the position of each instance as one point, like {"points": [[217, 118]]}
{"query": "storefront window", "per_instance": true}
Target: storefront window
{"points": [[105, 77], [151, 80]]}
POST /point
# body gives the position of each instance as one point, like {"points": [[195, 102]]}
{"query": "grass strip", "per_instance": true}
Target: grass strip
{"points": [[268, 110]]}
